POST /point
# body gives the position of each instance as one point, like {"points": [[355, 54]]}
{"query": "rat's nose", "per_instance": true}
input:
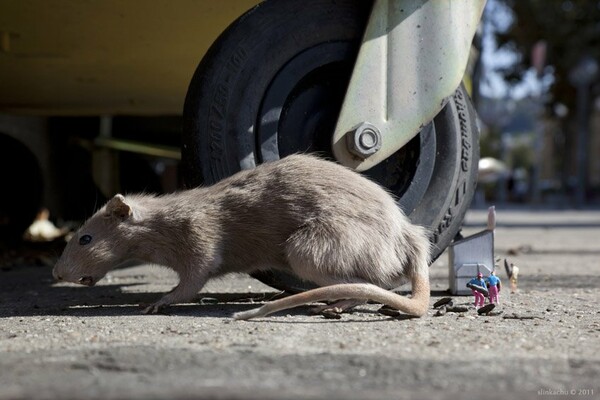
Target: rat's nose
{"points": [[56, 275]]}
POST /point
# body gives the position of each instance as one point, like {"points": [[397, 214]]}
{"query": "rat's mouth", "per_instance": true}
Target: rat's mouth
{"points": [[86, 280]]}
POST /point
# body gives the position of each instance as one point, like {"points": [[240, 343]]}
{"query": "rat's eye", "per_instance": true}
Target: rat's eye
{"points": [[85, 239]]}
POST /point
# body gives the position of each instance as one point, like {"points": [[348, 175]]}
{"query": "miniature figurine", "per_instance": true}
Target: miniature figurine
{"points": [[513, 274], [494, 285], [478, 288]]}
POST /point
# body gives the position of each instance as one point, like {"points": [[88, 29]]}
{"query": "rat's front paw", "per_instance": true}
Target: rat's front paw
{"points": [[156, 308]]}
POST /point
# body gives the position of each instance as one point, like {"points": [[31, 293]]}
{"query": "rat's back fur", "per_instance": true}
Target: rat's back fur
{"points": [[313, 218]]}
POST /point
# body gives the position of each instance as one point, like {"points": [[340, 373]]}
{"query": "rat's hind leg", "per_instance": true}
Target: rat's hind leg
{"points": [[321, 259], [318, 255]]}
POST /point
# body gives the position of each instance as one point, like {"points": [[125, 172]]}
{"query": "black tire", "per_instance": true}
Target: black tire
{"points": [[297, 57]]}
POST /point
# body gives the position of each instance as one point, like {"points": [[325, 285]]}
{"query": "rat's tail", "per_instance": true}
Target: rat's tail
{"points": [[416, 305]]}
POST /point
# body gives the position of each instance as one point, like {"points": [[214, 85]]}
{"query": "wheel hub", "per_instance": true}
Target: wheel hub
{"points": [[300, 109]]}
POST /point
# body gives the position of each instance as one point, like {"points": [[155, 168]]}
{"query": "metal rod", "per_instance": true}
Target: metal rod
{"points": [[139, 148]]}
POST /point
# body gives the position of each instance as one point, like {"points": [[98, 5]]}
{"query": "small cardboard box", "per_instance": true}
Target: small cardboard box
{"points": [[469, 256]]}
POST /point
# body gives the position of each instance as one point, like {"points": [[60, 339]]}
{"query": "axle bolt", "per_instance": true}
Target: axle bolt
{"points": [[363, 141]]}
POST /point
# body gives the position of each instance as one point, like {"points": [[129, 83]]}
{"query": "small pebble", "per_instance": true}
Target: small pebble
{"points": [[457, 309], [486, 309], [390, 312], [442, 302], [441, 311]]}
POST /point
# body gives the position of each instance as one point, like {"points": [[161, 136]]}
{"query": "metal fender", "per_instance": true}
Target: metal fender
{"points": [[412, 58]]}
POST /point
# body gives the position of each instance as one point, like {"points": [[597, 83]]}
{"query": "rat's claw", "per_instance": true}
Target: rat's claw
{"points": [[153, 309], [149, 310]]}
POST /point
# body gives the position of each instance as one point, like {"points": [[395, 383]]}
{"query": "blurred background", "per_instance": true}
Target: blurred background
{"points": [[536, 89], [91, 102]]}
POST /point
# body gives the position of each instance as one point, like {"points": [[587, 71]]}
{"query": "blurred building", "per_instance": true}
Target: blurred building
{"points": [[540, 149]]}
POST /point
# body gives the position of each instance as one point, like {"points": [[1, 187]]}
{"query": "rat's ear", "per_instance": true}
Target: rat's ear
{"points": [[118, 208]]}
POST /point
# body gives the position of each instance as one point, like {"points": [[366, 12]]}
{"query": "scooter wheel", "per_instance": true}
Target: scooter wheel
{"points": [[273, 84]]}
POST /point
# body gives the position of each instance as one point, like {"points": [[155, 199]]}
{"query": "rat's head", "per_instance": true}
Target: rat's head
{"points": [[98, 246]]}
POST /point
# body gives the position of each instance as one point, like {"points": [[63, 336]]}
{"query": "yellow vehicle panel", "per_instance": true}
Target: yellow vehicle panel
{"points": [[91, 57]]}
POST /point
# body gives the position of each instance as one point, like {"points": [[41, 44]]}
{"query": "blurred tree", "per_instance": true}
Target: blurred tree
{"points": [[566, 30], [550, 39]]}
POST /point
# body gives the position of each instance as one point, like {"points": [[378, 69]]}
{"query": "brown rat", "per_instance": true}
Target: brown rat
{"points": [[306, 216]]}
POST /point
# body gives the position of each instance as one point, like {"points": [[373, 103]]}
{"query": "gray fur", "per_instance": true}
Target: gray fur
{"points": [[313, 218]]}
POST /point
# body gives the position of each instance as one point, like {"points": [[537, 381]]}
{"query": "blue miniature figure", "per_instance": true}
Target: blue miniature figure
{"points": [[494, 286], [478, 288]]}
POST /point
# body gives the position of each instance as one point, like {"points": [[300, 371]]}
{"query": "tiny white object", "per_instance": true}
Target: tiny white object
{"points": [[491, 222]]}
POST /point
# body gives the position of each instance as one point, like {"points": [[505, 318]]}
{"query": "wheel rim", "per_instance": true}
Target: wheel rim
{"points": [[300, 108]]}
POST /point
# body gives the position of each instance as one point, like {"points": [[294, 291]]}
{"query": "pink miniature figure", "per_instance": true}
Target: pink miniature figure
{"points": [[478, 288], [494, 286]]}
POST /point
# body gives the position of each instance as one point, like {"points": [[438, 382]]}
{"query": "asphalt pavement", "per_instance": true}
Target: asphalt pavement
{"points": [[61, 341]]}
